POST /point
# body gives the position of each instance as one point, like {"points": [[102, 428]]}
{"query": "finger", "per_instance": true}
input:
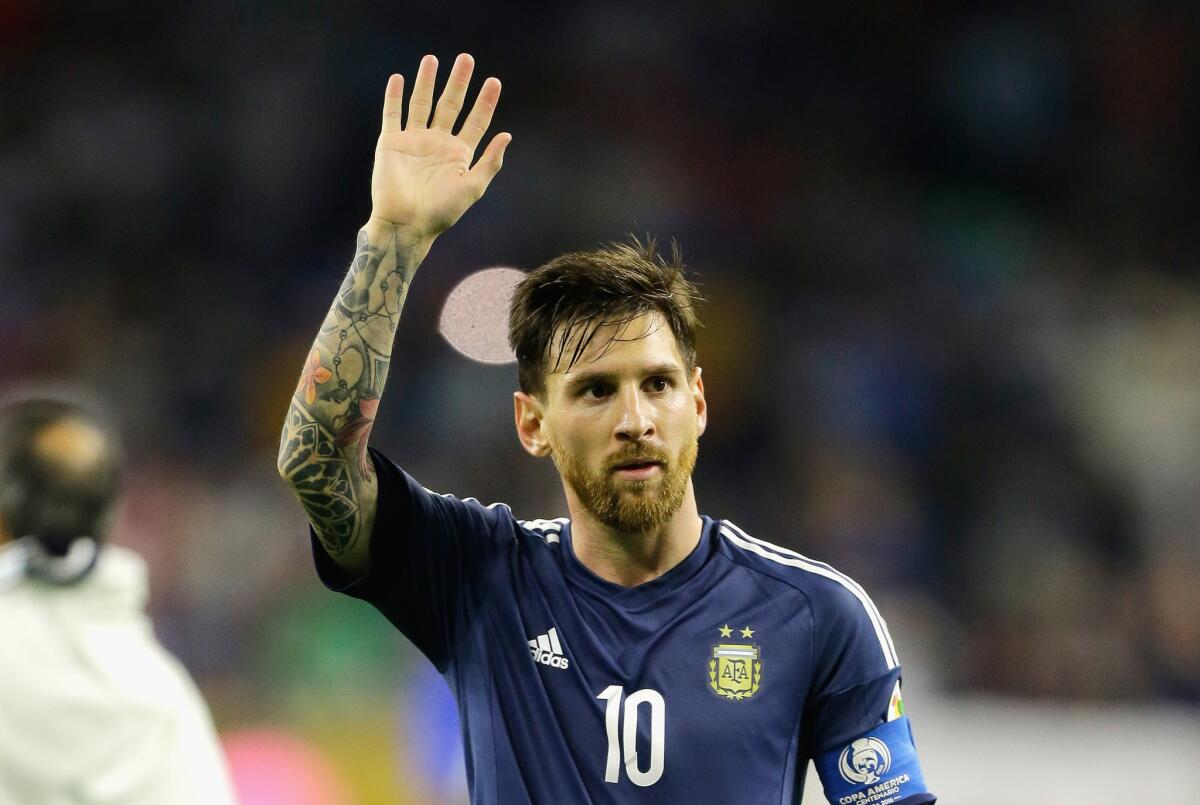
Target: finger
{"points": [[393, 101], [421, 102], [489, 164], [451, 102], [480, 117]]}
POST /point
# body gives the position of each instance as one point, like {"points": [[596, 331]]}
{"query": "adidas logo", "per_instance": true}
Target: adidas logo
{"points": [[546, 650]]}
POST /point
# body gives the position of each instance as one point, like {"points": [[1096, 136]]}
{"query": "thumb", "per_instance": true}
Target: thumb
{"points": [[489, 164]]}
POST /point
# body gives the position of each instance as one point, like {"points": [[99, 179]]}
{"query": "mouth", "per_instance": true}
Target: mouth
{"points": [[638, 469]]}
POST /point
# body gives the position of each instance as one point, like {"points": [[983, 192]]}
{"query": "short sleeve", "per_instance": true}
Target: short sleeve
{"points": [[855, 668], [429, 559], [856, 731]]}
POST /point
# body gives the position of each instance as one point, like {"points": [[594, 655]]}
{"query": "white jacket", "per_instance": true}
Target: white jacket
{"points": [[92, 708]]}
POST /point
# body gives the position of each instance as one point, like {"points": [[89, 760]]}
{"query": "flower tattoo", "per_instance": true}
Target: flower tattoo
{"points": [[313, 375]]}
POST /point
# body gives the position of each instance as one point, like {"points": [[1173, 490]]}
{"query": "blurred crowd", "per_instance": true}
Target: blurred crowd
{"points": [[951, 341]]}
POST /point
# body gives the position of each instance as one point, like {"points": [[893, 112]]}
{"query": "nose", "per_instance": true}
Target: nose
{"points": [[636, 422]]}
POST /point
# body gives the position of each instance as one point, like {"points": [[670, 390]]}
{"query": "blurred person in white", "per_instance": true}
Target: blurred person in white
{"points": [[92, 708]]}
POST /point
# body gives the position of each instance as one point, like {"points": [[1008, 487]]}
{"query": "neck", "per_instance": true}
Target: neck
{"points": [[632, 558]]}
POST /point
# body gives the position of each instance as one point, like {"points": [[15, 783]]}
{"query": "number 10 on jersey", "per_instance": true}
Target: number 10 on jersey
{"points": [[628, 736]]}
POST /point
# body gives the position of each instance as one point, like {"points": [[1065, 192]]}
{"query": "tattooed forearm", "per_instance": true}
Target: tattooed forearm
{"points": [[323, 450], [320, 478]]}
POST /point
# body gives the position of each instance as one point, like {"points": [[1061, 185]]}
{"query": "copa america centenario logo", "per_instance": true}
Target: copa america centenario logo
{"points": [[864, 761]]}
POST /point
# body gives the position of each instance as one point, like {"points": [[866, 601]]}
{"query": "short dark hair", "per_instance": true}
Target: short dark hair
{"points": [[568, 298], [41, 497]]}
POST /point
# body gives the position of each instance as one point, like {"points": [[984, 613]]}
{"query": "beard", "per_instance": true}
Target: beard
{"points": [[631, 506]]}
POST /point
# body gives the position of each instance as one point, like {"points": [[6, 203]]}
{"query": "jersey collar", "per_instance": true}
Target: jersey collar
{"points": [[649, 592]]}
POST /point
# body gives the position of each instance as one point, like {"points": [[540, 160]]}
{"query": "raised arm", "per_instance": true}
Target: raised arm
{"points": [[423, 182]]}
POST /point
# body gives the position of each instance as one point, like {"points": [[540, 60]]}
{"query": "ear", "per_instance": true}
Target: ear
{"points": [[528, 413], [697, 386]]}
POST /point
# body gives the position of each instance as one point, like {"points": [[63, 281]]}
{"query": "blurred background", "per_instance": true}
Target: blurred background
{"points": [[952, 343]]}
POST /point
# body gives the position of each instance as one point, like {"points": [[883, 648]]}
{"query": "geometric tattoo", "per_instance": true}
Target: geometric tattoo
{"points": [[317, 474], [323, 449]]}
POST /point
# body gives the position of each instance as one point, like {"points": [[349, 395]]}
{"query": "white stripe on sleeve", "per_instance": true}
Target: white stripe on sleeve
{"points": [[784, 556]]}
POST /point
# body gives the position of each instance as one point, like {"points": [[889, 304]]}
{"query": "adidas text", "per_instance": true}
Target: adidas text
{"points": [[549, 658]]}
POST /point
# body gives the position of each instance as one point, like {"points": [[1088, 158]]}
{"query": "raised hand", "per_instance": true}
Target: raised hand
{"points": [[423, 180]]}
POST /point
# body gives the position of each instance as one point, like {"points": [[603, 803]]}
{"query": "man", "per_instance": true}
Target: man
{"points": [[638, 651], [92, 709]]}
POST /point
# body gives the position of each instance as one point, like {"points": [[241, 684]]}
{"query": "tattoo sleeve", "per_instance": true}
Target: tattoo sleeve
{"points": [[323, 449]]}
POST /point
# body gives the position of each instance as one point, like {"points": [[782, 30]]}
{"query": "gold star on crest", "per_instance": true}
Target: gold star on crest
{"points": [[747, 632], [725, 630]]}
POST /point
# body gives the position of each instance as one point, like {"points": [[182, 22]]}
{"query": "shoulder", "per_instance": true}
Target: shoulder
{"points": [[544, 531], [818, 581], [496, 510], [498, 513], [406, 505], [498, 518], [494, 517], [402, 498], [840, 605]]}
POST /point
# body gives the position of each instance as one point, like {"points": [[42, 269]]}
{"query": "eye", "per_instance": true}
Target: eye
{"points": [[658, 383], [594, 391]]}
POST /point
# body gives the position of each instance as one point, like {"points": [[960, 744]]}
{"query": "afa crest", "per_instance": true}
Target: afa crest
{"points": [[735, 671]]}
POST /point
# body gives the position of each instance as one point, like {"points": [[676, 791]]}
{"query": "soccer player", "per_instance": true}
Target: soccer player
{"points": [[92, 708], [637, 651]]}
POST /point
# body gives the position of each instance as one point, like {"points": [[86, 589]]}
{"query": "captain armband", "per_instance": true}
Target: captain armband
{"points": [[878, 768]]}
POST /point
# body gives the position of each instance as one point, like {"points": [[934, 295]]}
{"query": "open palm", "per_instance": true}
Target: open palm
{"points": [[423, 180]]}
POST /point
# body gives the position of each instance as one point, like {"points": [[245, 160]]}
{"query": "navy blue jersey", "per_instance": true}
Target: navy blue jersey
{"points": [[715, 682]]}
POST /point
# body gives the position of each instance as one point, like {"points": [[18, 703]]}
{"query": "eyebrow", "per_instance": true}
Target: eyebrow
{"points": [[585, 378]]}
